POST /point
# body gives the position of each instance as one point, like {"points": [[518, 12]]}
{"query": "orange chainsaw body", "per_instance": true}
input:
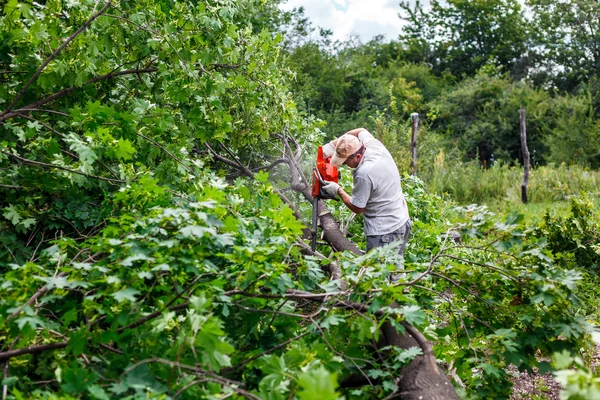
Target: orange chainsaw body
{"points": [[324, 171]]}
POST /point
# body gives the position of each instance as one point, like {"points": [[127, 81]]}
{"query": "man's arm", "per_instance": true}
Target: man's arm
{"points": [[355, 132], [329, 148], [347, 201]]}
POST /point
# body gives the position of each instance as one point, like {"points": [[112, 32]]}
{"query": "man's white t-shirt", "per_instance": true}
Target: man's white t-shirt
{"points": [[377, 188]]}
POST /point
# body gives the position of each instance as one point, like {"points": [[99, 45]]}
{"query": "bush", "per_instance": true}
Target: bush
{"points": [[574, 240]]}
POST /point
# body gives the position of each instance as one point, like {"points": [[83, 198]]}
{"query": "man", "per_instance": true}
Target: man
{"points": [[376, 192]]}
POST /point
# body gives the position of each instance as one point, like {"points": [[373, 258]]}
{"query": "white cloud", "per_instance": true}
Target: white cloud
{"points": [[365, 18]]}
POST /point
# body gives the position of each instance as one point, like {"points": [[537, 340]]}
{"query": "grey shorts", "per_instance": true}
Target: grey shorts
{"points": [[400, 235], [400, 238]]}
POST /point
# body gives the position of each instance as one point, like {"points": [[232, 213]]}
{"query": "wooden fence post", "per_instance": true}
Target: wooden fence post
{"points": [[414, 120], [526, 161]]}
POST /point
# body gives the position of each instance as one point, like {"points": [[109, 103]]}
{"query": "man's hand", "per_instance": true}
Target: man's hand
{"points": [[328, 150], [330, 189]]}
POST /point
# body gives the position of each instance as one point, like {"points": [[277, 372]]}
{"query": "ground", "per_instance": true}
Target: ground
{"points": [[542, 387]]}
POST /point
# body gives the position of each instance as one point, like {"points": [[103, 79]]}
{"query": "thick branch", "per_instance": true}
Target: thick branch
{"points": [[64, 92], [32, 350], [41, 164]]}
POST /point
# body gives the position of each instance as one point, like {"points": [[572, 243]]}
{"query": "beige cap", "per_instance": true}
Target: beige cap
{"points": [[346, 146]]}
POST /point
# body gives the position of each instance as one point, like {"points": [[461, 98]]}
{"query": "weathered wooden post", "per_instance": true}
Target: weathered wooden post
{"points": [[526, 161], [414, 120]]}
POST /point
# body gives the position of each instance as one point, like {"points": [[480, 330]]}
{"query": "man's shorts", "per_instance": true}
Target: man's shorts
{"points": [[399, 236]]}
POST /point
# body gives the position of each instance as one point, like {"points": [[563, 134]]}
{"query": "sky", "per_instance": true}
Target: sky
{"points": [[365, 18]]}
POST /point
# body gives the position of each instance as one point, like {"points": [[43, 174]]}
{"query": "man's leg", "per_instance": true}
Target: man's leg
{"points": [[400, 237]]}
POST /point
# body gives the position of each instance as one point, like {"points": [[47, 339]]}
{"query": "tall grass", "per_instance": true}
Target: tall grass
{"points": [[469, 182]]}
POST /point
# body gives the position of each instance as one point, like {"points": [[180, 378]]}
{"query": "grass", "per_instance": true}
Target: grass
{"points": [[499, 187]]}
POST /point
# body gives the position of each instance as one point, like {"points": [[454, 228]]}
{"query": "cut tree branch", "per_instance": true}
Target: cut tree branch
{"points": [[53, 56]]}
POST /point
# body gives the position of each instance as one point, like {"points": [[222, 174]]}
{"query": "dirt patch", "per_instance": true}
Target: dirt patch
{"points": [[536, 386], [529, 385]]}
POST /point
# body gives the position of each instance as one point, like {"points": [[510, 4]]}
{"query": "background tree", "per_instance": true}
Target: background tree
{"points": [[462, 36], [567, 41]]}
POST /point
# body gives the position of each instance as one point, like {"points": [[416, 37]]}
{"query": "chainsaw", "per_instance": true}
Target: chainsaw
{"points": [[322, 172]]}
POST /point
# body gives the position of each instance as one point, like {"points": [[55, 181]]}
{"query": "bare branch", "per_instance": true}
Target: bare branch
{"points": [[241, 166], [492, 267], [32, 350], [226, 160], [51, 129], [152, 316], [33, 298], [452, 281], [46, 111]]}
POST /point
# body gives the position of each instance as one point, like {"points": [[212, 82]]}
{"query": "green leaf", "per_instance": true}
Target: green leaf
{"points": [[127, 294], [274, 367], [28, 222], [545, 297], [77, 379], [332, 320], [562, 360], [77, 342], [490, 369], [70, 316], [128, 262], [262, 176], [9, 381], [197, 231], [199, 302], [33, 321], [211, 338], [98, 393], [413, 314], [125, 150], [409, 354], [11, 214], [318, 384]]}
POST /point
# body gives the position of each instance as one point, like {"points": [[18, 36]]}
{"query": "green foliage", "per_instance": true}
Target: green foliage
{"points": [[462, 36], [578, 381], [574, 133], [471, 183], [575, 239], [136, 93], [481, 116], [131, 266], [565, 34]]}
